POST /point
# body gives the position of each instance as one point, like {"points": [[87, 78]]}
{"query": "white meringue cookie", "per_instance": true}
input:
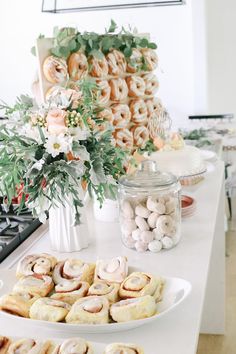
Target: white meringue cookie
{"points": [[167, 242], [155, 246], [170, 206], [127, 210], [152, 219], [151, 203], [142, 211], [165, 224], [146, 236], [141, 223], [157, 234], [136, 234], [128, 226]]}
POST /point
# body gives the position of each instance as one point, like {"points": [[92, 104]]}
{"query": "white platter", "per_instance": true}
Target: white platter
{"points": [[208, 155], [175, 291]]}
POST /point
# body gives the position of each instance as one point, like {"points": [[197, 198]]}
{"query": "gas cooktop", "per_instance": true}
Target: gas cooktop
{"points": [[14, 228]]}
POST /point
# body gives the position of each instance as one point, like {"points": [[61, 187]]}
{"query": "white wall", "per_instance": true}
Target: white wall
{"points": [[171, 27]]}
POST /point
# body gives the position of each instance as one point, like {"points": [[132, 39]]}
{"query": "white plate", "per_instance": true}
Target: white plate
{"points": [[175, 291], [208, 155]]}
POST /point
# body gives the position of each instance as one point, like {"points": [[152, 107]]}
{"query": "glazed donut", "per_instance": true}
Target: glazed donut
{"points": [[104, 92], [126, 348], [34, 285], [154, 105], [17, 303], [90, 309], [77, 66], [141, 135], [70, 291], [30, 346], [136, 86], [4, 344], [55, 69], [73, 269], [116, 63], [138, 111], [119, 89], [135, 61], [74, 345], [47, 309], [99, 67], [112, 270], [151, 83], [121, 115], [124, 139], [133, 309], [165, 224], [150, 58], [110, 291], [41, 264], [106, 114]]}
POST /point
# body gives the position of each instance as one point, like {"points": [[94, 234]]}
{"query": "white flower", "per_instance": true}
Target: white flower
{"points": [[78, 133], [38, 165], [56, 144], [42, 217]]}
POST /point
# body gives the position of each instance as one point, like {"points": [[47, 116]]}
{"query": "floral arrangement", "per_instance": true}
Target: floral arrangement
{"points": [[49, 152]]}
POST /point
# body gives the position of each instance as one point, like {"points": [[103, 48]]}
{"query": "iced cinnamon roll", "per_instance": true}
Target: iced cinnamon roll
{"points": [[55, 69], [4, 344], [110, 291], [151, 84], [73, 269], [106, 115], [30, 346], [150, 59], [34, 284], [141, 135], [17, 303], [77, 66], [90, 310], [70, 291], [154, 105], [124, 139], [116, 63], [119, 89], [112, 270], [123, 348], [133, 309], [135, 61], [98, 67], [136, 86], [138, 111], [104, 92], [41, 264], [74, 345], [47, 309], [121, 115], [138, 284]]}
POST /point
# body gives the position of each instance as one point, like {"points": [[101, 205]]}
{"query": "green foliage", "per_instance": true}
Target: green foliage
{"points": [[149, 148]]}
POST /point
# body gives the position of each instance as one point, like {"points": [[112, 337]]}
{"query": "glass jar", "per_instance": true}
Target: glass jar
{"points": [[150, 209]]}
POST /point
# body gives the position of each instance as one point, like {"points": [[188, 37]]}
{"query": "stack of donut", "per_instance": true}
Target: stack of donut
{"points": [[128, 88]]}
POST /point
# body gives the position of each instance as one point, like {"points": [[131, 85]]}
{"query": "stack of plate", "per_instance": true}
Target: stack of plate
{"points": [[188, 206]]}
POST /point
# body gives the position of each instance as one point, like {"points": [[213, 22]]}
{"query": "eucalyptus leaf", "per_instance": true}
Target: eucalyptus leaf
{"points": [[113, 27]]}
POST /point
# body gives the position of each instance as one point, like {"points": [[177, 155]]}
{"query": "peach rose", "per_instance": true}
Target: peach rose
{"points": [[159, 143], [56, 121]]}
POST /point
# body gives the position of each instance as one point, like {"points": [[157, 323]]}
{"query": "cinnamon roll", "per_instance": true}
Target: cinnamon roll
{"points": [[41, 264], [121, 115], [34, 284], [138, 284], [98, 67], [55, 69], [116, 63], [151, 84], [73, 269], [30, 346], [135, 61], [77, 66], [123, 348], [150, 58], [138, 111], [47, 309], [18, 303], [124, 139], [136, 86], [141, 135], [133, 309], [74, 345], [119, 89], [110, 291], [70, 291], [112, 270], [104, 92], [4, 344], [89, 310]]}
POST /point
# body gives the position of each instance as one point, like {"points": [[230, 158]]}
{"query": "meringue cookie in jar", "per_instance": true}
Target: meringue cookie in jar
{"points": [[150, 209]]}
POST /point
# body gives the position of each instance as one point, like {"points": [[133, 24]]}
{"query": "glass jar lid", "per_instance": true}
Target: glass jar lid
{"points": [[148, 176]]}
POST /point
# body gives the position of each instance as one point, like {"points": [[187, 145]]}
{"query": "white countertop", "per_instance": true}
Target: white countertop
{"points": [[177, 333]]}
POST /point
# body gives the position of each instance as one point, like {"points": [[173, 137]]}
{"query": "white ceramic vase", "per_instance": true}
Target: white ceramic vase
{"points": [[64, 237], [109, 212]]}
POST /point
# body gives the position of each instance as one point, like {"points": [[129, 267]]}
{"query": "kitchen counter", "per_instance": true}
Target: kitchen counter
{"points": [[198, 258]]}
